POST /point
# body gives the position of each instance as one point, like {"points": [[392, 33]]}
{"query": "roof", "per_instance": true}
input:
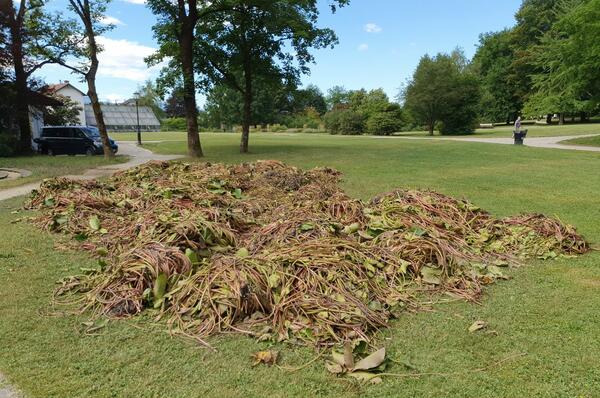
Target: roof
{"points": [[122, 115], [53, 88]]}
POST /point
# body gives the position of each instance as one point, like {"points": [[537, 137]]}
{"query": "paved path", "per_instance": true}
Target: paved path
{"points": [[537, 142], [6, 391], [138, 155]]}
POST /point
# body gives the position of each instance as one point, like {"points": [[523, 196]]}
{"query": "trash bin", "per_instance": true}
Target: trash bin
{"points": [[519, 137]]}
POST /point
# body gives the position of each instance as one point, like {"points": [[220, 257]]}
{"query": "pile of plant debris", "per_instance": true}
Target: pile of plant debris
{"points": [[276, 252]]}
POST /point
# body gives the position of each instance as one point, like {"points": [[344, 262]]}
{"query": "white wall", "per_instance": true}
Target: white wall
{"points": [[76, 96]]}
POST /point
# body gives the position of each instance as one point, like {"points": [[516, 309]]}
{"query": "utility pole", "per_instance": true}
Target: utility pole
{"points": [[137, 112]]}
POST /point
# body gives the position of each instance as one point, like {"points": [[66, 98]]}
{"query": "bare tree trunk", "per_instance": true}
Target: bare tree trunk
{"points": [[583, 117], [16, 24], [85, 14], [561, 118], [431, 128], [549, 118], [246, 121], [92, 93], [248, 97], [189, 92]]}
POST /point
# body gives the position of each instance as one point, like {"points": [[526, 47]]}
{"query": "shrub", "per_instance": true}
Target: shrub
{"points": [[345, 122], [173, 124], [386, 122]]}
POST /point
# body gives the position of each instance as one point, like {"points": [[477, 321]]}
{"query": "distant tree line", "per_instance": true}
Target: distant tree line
{"points": [[548, 63]]}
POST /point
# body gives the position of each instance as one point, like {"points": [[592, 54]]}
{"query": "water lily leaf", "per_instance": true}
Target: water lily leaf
{"points": [[364, 376], [160, 287], [242, 253], [94, 223], [338, 358], [478, 325], [192, 256], [237, 193], [307, 227], [372, 361], [334, 368], [431, 275]]}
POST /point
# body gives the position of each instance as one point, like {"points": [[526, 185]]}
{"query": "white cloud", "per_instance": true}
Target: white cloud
{"points": [[108, 20], [125, 59], [373, 28], [363, 47], [135, 1]]}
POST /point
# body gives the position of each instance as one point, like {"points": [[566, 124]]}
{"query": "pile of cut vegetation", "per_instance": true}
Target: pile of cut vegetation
{"points": [[276, 252]]}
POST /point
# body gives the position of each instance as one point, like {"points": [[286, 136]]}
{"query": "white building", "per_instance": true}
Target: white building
{"points": [[124, 117], [66, 89]]}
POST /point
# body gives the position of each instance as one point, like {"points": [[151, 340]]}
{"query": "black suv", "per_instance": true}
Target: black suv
{"points": [[71, 140]]}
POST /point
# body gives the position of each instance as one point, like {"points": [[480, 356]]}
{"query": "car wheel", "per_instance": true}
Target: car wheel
{"points": [[50, 151], [90, 152]]}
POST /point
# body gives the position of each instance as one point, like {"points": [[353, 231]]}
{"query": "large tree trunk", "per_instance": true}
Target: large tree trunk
{"points": [[93, 94], [246, 121], [189, 93], [583, 117], [20, 79], [90, 78], [561, 118], [248, 97], [431, 126], [549, 118]]}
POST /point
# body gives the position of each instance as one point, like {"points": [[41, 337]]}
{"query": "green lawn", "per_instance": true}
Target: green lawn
{"points": [[51, 166], [549, 310], [587, 141], [502, 131]]}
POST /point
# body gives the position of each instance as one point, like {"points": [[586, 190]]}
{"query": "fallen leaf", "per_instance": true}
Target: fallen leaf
{"points": [[265, 357], [372, 361], [478, 325]]}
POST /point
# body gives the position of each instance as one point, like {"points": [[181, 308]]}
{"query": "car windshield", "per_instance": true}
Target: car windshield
{"points": [[92, 132]]}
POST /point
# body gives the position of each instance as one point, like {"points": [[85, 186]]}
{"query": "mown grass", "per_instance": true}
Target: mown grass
{"points": [[499, 131], [547, 311], [51, 166], [586, 141]]}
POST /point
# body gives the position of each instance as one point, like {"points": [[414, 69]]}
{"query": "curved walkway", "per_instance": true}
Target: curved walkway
{"points": [[138, 155], [537, 142]]}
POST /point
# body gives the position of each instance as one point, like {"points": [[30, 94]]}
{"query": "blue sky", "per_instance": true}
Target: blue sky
{"points": [[381, 42]]}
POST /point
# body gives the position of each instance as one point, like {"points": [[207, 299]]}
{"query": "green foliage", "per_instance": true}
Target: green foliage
{"points": [[148, 95], [385, 122], [65, 115], [493, 63], [444, 90], [568, 61], [173, 124], [344, 122]]}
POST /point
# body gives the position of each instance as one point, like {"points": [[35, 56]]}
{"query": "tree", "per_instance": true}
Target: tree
{"points": [[337, 96], [148, 95], [174, 104], [253, 40], [493, 63], [174, 31], [443, 90], [568, 61], [78, 49], [65, 115], [25, 27], [310, 97]]}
